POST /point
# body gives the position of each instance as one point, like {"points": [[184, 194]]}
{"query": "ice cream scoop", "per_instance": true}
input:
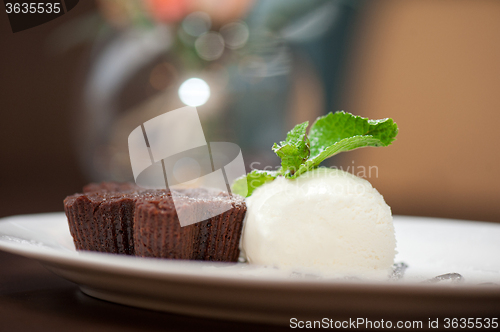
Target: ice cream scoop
{"points": [[326, 220]]}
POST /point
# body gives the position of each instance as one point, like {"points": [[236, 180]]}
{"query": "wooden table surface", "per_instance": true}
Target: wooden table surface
{"points": [[34, 299]]}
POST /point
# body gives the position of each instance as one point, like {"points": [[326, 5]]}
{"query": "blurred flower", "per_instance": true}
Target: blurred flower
{"points": [[168, 11], [197, 15], [222, 11]]}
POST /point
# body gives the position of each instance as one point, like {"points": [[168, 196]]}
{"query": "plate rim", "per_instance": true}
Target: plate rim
{"points": [[54, 258]]}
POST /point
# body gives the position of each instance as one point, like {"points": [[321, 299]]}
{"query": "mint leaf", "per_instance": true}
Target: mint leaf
{"points": [[341, 131], [294, 150], [334, 127], [329, 135], [246, 184]]}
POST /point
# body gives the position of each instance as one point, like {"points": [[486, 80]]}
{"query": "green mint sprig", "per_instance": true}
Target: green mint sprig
{"points": [[295, 150], [329, 135]]}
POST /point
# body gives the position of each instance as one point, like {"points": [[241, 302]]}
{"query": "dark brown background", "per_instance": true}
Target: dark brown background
{"points": [[37, 99]]}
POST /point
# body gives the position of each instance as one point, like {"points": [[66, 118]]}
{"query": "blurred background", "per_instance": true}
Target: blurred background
{"points": [[71, 91]]}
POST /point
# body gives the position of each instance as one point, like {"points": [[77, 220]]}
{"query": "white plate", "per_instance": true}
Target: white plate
{"points": [[242, 292]]}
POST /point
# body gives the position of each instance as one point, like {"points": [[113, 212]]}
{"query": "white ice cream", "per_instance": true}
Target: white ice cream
{"points": [[327, 220]]}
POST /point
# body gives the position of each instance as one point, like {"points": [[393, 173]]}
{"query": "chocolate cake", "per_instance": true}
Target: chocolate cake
{"points": [[126, 219]]}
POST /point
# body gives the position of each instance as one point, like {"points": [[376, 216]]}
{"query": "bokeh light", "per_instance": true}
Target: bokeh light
{"points": [[196, 24], [235, 34], [210, 46], [194, 92]]}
